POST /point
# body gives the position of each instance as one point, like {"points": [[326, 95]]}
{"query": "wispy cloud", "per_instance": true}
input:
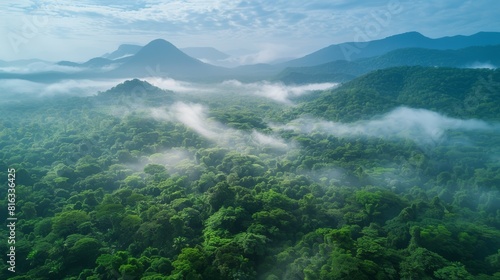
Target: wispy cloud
{"points": [[272, 90], [172, 157], [480, 65], [419, 125], [175, 85], [39, 67], [275, 91], [79, 87], [194, 116], [270, 141], [19, 90]]}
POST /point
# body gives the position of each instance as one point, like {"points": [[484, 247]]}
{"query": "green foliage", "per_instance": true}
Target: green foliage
{"points": [[455, 271], [67, 222], [84, 251], [421, 264]]}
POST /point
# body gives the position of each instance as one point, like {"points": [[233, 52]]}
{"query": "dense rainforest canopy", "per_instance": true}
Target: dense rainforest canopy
{"points": [[393, 175]]}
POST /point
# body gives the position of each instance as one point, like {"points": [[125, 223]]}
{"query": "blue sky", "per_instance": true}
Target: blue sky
{"points": [[79, 30]]}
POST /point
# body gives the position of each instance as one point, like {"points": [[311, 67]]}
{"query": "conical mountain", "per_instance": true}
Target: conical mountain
{"points": [[160, 58]]}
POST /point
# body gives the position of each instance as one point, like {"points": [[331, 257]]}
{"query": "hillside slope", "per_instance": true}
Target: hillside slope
{"points": [[456, 92]]}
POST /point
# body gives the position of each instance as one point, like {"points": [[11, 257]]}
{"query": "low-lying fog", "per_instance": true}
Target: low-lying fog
{"points": [[17, 89], [420, 125]]}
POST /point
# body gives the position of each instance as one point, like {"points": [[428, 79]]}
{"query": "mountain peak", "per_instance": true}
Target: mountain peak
{"points": [[159, 43], [128, 87], [161, 58], [411, 33], [130, 84], [161, 49]]}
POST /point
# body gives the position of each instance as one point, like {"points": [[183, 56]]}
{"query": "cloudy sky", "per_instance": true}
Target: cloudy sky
{"points": [[78, 30]]}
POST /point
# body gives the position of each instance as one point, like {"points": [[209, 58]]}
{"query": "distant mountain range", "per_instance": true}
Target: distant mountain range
{"points": [[355, 50], [335, 63], [341, 70]]}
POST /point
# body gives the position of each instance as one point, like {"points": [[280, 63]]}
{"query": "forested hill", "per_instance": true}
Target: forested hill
{"points": [[463, 93], [134, 93]]}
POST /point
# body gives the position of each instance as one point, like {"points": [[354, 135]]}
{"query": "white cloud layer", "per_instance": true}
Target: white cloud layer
{"points": [[276, 91]]}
